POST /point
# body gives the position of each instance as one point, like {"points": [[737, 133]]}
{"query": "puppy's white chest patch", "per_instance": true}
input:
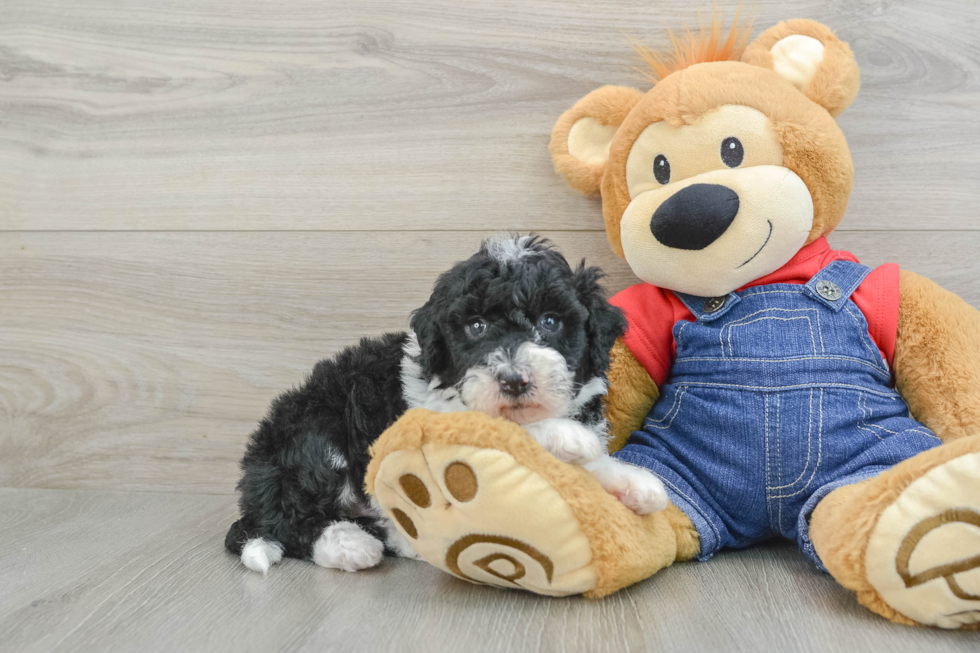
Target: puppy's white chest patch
{"points": [[420, 393]]}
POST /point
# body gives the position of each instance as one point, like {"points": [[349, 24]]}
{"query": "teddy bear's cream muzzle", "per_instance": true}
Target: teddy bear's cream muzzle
{"points": [[712, 233]]}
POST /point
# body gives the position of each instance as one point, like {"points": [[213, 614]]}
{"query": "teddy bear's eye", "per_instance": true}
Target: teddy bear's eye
{"points": [[732, 152], [661, 169]]}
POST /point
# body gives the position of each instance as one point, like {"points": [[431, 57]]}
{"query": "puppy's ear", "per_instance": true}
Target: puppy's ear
{"points": [[605, 322], [427, 326]]}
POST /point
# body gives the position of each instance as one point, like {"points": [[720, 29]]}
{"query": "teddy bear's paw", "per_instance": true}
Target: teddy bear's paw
{"points": [[567, 440], [483, 517], [637, 488], [923, 557]]}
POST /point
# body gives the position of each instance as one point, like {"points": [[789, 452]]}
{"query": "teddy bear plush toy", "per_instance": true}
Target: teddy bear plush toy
{"points": [[779, 388]]}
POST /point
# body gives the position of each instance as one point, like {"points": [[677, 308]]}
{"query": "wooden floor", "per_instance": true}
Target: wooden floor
{"points": [[200, 199], [114, 571]]}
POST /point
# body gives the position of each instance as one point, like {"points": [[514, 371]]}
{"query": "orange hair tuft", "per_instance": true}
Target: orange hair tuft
{"points": [[709, 45]]}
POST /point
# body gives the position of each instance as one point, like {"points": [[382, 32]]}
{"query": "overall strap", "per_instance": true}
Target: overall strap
{"points": [[708, 309], [834, 284]]}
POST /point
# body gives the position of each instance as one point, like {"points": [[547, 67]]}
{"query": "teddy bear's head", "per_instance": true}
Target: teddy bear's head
{"points": [[729, 165]]}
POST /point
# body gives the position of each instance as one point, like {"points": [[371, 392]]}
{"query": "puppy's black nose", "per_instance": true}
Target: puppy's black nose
{"points": [[513, 384], [695, 217]]}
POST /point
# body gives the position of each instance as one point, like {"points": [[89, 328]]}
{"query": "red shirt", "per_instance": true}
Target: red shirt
{"points": [[652, 312]]}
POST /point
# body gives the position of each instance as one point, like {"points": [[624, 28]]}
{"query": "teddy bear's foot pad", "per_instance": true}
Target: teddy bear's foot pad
{"points": [[923, 557], [467, 511]]}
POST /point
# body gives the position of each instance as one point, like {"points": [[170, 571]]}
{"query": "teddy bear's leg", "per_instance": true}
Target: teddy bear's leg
{"points": [[477, 497], [908, 541]]}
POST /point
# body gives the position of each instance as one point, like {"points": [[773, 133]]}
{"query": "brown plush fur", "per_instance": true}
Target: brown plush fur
{"points": [[843, 522], [626, 548], [631, 395], [937, 355], [937, 358], [813, 145], [836, 81], [609, 105], [712, 44]]}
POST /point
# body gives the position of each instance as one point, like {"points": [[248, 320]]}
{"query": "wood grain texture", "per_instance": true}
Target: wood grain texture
{"points": [[102, 571], [199, 200], [434, 114], [141, 361]]}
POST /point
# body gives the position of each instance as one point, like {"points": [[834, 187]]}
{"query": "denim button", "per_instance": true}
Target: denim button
{"points": [[828, 290], [713, 304]]}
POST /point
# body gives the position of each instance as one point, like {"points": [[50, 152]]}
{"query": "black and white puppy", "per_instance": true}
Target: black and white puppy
{"points": [[513, 332]]}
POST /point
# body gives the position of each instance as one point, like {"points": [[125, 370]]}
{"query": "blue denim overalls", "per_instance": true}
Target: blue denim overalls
{"points": [[777, 396]]}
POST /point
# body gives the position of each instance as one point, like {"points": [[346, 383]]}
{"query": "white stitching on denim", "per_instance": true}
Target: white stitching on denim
{"points": [[745, 321], [925, 433], [819, 455], [779, 456], [747, 293], [823, 348], [870, 415], [773, 308], [761, 319], [788, 360], [678, 400], [692, 503], [867, 415], [765, 411], [705, 384], [680, 333], [739, 322], [862, 424], [863, 335], [849, 279], [779, 453], [809, 452]]}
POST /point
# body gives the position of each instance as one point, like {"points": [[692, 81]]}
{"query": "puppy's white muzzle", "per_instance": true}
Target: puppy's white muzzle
{"points": [[548, 391]]}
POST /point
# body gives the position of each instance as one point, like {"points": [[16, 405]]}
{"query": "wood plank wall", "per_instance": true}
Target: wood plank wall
{"points": [[199, 200]]}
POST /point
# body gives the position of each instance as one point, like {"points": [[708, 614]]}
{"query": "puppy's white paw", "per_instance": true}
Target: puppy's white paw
{"points": [[567, 440], [259, 554], [343, 545], [638, 489]]}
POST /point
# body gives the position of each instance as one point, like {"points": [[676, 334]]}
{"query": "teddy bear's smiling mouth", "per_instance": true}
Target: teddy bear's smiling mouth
{"points": [[758, 251]]}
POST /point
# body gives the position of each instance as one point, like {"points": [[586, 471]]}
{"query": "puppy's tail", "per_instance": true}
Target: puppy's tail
{"points": [[236, 537], [256, 553]]}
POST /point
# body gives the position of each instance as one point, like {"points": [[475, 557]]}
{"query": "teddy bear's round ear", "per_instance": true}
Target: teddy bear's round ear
{"points": [[808, 55], [581, 138]]}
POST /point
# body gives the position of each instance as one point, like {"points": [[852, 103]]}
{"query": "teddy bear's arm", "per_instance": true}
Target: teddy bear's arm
{"points": [[937, 357], [631, 395]]}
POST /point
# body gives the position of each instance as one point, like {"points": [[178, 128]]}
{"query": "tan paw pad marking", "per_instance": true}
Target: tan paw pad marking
{"points": [[523, 550], [415, 490], [461, 481], [948, 570], [405, 522], [479, 515], [923, 556]]}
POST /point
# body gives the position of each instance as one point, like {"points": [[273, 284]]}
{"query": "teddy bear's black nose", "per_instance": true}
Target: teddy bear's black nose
{"points": [[694, 217]]}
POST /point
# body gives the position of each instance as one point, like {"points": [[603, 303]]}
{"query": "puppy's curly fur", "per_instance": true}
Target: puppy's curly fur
{"points": [[513, 331]]}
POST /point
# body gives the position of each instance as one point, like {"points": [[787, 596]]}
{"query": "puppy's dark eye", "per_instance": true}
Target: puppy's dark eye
{"points": [[732, 152], [549, 323], [475, 327], [661, 169]]}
